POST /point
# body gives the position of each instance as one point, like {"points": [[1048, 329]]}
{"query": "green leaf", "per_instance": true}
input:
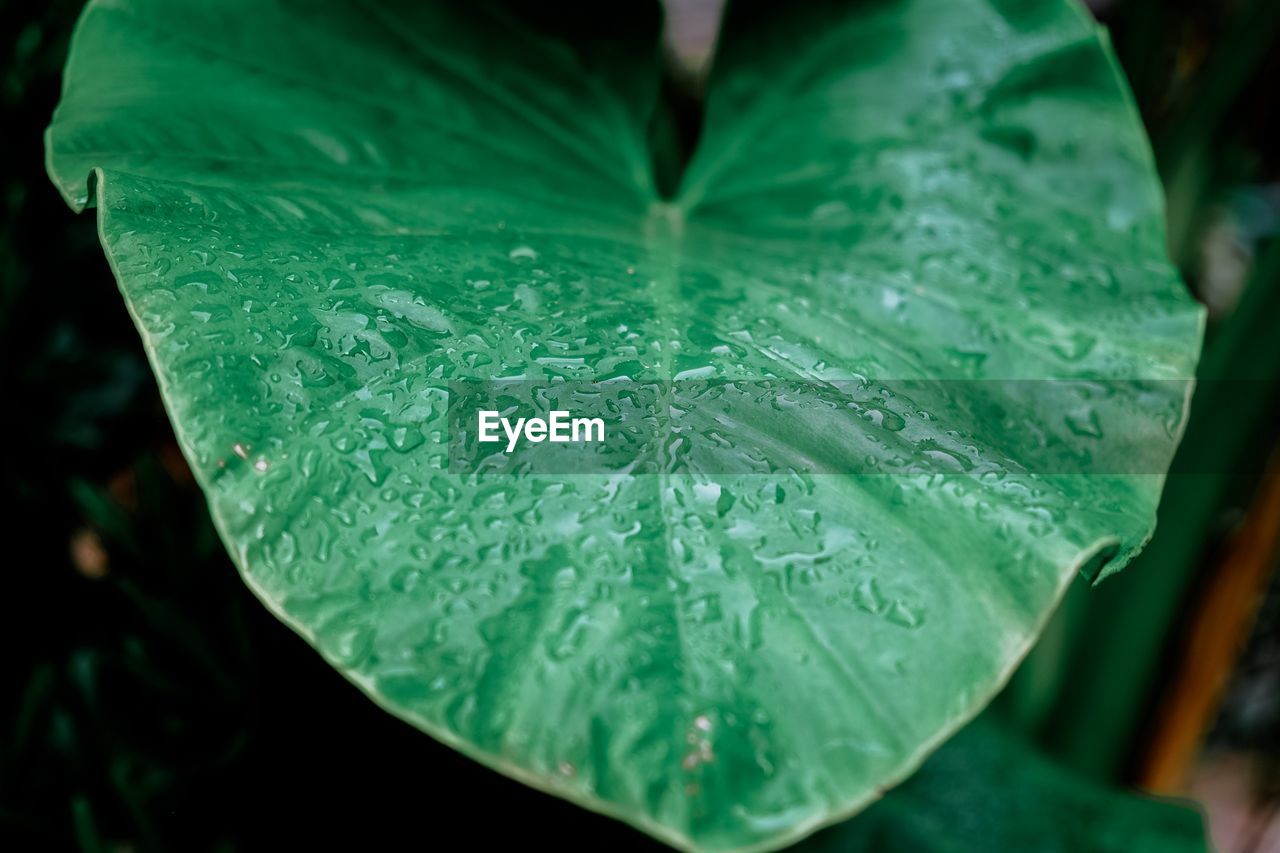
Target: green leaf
{"points": [[838, 528], [985, 790]]}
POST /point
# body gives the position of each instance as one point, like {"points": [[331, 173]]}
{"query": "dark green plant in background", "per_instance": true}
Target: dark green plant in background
{"points": [[166, 710]]}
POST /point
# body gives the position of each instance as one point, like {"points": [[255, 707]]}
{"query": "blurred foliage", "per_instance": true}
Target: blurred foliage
{"points": [[151, 702]]}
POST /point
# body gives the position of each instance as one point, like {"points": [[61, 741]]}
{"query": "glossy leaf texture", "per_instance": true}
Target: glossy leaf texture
{"points": [[987, 790], [324, 216]]}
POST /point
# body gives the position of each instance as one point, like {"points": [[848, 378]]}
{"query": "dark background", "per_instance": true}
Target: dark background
{"points": [[149, 702]]}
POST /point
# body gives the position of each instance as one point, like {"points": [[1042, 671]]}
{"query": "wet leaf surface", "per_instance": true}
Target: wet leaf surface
{"points": [[320, 218]]}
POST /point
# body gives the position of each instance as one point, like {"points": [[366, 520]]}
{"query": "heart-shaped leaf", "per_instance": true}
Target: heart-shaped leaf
{"points": [[898, 358]]}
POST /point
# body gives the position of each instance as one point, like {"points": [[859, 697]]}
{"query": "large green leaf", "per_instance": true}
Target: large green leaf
{"points": [[326, 217]]}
